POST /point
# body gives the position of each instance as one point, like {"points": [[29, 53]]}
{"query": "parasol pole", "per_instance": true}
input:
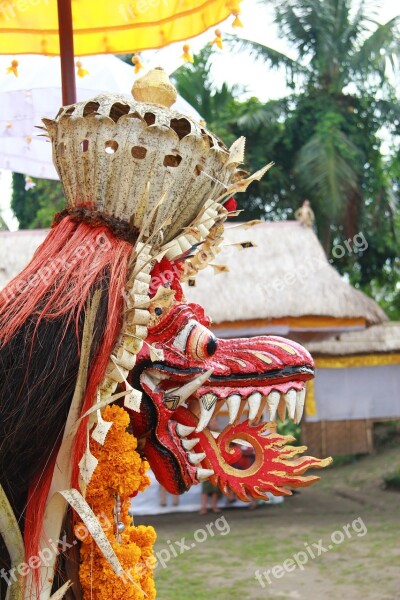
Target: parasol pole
{"points": [[66, 35]]}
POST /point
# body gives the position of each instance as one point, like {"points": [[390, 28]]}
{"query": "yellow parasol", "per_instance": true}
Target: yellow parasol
{"points": [[83, 27]]}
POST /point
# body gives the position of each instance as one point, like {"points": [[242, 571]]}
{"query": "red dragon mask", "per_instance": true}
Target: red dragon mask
{"points": [[198, 376]]}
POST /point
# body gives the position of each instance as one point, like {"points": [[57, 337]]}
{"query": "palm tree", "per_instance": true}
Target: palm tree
{"points": [[195, 83], [342, 98]]}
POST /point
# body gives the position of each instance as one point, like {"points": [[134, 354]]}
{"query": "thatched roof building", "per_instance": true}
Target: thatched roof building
{"points": [[357, 383], [16, 250], [378, 339], [284, 285]]}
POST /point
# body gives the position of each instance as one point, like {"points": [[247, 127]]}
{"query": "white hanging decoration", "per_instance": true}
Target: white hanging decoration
{"points": [[87, 464], [101, 430], [133, 399]]}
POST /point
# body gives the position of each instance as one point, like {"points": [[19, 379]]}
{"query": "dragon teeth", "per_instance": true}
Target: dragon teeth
{"points": [[184, 430], [300, 399], [196, 458], [207, 406], [203, 474], [282, 409], [175, 398], [208, 400], [190, 444], [254, 401], [290, 400], [273, 402], [233, 403]]}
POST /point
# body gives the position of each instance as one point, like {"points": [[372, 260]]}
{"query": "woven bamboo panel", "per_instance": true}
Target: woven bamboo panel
{"points": [[337, 437]]}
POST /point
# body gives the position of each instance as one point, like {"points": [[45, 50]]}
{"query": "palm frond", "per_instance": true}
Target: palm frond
{"points": [[325, 171], [263, 115], [382, 45], [270, 56]]}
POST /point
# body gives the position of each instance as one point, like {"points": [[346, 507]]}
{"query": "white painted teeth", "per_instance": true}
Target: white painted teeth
{"points": [[233, 403], [207, 405], [190, 444], [282, 409], [195, 458], [203, 474], [300, 399], [177, 397], [273, 402], [254, 404], [208, 400], [290, 399], [184, 430]]}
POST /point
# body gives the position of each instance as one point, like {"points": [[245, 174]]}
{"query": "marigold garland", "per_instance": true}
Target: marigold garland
{"points": [[120, 471]]}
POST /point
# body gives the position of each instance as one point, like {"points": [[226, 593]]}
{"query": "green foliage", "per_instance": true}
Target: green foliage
{"points": [[35, 208], [3, 224], [328, 147], [290, 428], [392, 480]]}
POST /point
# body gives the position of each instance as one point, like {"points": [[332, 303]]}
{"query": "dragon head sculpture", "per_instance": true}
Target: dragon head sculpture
{"points": [[198, 376]]}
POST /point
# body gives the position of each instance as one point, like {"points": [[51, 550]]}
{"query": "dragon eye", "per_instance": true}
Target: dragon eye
{"points": [[201, 343], [196, 340]]}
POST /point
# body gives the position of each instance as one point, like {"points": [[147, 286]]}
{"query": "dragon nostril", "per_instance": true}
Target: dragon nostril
{"points": [[211, 346]]}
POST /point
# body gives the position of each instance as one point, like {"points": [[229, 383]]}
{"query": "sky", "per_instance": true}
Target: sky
{"points": [[227, 66]]}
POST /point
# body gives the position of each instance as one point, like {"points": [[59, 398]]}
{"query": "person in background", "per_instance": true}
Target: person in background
{"points": [[163, 498], [208, 490]]}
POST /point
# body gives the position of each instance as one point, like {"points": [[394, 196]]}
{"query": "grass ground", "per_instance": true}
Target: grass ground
{"points": [[219, 555]]}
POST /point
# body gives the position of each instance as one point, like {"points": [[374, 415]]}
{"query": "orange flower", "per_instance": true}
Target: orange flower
{"points": [[218, 39], [137, 63], [13, 68], [81, 72], [187, 57], [120, 471]]}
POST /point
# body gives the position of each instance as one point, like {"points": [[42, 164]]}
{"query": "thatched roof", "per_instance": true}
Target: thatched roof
{"points": [[376, 339], [286, 275], [16, 250]]}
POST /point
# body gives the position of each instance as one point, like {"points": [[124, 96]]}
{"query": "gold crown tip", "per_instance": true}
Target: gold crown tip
{"points": [[154, 88]]}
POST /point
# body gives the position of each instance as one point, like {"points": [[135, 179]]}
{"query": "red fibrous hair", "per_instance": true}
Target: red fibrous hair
{"points": [[72, 261]]}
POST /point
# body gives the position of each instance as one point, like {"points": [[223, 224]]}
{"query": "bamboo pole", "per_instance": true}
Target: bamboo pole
{"points": [[66, 35]]}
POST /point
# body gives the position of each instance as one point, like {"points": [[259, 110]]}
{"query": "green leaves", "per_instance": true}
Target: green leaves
{"points": [[36, 207], [326, 167], [379, 49]]}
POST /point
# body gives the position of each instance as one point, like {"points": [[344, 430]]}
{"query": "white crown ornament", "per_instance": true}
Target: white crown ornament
{"points": [[150, 171]]}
